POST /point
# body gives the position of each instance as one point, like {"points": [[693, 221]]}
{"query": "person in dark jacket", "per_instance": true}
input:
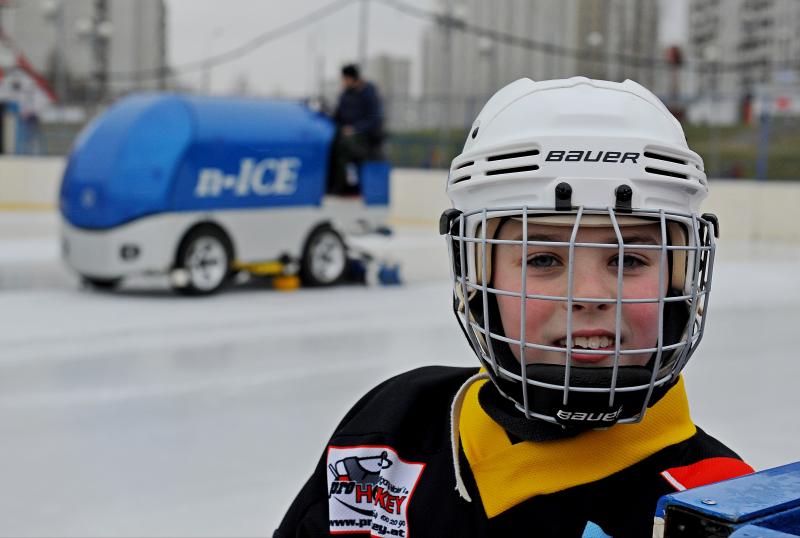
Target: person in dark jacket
{"points": [[359, 121], [581, 271]]}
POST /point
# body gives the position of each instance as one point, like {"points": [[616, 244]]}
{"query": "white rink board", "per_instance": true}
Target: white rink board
{"points": [[30, 182], [146, 414], [748, 210]]}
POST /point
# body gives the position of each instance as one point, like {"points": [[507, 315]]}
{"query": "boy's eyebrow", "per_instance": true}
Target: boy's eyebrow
{"points": [[542, 237], [635, 239], [628, 239]]}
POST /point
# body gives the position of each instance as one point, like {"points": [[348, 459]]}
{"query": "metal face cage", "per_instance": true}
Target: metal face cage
{"points": [[685, 255]]}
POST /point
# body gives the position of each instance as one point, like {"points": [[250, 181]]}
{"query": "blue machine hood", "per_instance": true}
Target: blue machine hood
{"points": [[149, 153]]}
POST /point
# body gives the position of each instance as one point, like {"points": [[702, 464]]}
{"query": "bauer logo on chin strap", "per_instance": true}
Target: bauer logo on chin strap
{"points": [[602, 418]]}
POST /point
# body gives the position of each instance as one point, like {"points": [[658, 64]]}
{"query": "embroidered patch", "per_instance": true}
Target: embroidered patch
{"points": [[369, 490]]}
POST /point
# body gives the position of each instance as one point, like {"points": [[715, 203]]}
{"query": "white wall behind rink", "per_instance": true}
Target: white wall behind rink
{"points": [[30, 182], [747, 209]]}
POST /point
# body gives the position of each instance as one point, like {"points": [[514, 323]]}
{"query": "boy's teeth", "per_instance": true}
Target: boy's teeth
{"points": [[589, 342]]}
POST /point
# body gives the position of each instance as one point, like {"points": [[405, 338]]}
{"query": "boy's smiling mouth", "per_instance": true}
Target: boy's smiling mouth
{"points": [[590, 339], [589, 342]]}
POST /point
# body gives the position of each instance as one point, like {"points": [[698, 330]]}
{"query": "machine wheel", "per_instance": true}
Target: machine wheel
{"points": [[205, 255], [102, 284], [324, 258]]}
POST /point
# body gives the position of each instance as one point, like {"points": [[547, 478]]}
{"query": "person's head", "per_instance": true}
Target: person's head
{"points": [[351, 77], [581, 264]]}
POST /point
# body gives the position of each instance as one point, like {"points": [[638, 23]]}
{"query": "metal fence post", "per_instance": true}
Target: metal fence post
{"points": [[762, 158]]}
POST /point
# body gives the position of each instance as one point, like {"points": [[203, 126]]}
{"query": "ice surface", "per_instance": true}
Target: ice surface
{"points": [[142, 413]]}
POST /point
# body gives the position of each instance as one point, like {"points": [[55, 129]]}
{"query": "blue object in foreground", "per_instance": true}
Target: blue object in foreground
{"points": [[765, 504], [593, 530], [389, 274]]}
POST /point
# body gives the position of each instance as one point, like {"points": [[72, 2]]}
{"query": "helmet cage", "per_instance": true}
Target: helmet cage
{"points": [[470, 253]]}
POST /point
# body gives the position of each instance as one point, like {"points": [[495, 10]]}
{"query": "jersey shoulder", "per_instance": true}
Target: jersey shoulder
{"points": [[409, 406], [707, 460]]}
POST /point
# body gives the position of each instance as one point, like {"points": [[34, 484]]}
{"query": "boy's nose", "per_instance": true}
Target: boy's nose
{"points": [[591, 282], [578, 306]]}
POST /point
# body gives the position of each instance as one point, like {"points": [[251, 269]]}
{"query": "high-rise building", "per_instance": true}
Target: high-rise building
{"points": [[632, 30], [754, 39], [593, 36], [538, 39], [139, 43], [713, 41], [392, 76], [91, 49]]}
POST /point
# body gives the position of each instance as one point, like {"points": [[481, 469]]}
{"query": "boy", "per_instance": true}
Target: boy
{"points": [[581, 271]]}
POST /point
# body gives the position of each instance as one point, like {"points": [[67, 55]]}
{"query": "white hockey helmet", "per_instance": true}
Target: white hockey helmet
{"points": [[579, 153]]}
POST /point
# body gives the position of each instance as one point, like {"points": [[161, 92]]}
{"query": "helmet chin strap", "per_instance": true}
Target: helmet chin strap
{"points": [[583, 410]]}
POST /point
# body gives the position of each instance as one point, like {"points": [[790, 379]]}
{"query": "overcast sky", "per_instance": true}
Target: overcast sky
{"points": [[292, 64]]}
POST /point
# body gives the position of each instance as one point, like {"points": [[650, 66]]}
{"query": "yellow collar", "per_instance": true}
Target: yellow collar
{"points": [[508, 474]]}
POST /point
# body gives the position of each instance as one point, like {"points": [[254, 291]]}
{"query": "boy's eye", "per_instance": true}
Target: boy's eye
{"points": [[628, 262], [543, 260]]}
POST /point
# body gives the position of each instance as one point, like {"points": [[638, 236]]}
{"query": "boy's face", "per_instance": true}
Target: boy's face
{"points": [[595, 276]]}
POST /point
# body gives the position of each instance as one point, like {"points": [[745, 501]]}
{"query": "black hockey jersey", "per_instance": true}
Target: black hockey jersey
{"points": [[389, 471]]}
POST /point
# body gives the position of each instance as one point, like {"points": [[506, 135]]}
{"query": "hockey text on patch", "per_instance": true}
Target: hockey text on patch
{"points": [[369, 490], [369, 493]]}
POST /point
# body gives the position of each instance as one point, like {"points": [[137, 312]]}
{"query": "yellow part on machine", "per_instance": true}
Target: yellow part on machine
{"points": [[277, 270], [286, 283], [262, 268]]}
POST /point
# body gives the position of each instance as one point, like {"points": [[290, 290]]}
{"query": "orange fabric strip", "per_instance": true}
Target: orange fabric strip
{"points": [[706, 471]]}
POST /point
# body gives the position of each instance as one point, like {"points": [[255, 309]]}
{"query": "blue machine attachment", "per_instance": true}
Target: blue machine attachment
{"points": [[764, 504], [374, 176]]}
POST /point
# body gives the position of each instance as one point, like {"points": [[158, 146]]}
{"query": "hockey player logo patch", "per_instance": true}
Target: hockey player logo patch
{"points": [[369, 490]]}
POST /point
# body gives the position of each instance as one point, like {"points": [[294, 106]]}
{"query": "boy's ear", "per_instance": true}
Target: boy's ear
{"points": [[449, 224], [676, 236], [491, 227]]}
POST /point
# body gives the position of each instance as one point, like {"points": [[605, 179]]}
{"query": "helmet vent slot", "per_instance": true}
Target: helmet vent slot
{"points": [[667, 158], [464, 165], [665, 173], [460, 179], [512, 170], [529, 153]]}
